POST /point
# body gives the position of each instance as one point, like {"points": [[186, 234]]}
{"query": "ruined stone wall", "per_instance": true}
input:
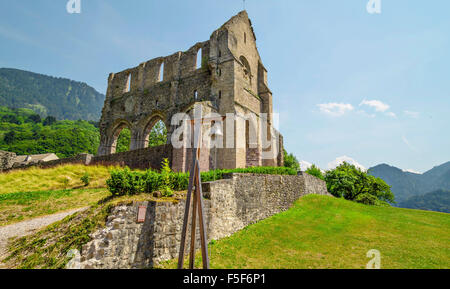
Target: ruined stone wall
{"points": [[314, 185], [84, 159], [229, 205], [137, 159], [6, 160], [230, 79]]}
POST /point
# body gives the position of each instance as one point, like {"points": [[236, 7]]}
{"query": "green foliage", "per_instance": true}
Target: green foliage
{"points": [[126, 182], [157, 137], [86, 179], [45, 95], [123, 141], [25, 135], [349, 182], [49, 120], [315, 171], [290, 161], [435, 201], [166, 187]]}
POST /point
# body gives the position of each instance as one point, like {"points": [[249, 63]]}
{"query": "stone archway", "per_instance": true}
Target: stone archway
{"points": [[155, 133]]}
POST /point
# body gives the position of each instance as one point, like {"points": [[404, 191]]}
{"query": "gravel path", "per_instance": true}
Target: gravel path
{"points": [[27, 227]]}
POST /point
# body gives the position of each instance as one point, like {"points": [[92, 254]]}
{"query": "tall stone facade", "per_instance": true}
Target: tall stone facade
{"points": [[225, 75]]}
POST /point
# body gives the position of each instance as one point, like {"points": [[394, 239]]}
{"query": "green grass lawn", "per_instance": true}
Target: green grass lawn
{"points": [[325, 232]]}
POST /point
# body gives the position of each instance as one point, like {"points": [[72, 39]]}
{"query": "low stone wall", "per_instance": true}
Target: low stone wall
{"points": [[229, 205], [84, 159], [137, 159], [314, 185], [6, 160]]}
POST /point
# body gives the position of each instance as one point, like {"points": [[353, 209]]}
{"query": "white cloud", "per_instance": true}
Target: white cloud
{"points": [[413, 114], [412, 171], [376, 104], [340, 160], [335, 109]]}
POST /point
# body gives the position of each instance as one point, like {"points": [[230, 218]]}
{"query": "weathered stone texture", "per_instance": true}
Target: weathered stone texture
{"points": [[6, 160], [229, 205], [314, 185], [230, 79]]}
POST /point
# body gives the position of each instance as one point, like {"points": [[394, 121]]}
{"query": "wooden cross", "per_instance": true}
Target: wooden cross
{"points": [[195, 181]]}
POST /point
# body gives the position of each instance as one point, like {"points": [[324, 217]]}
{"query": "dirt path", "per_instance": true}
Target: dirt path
{"points": [[27, 227]]}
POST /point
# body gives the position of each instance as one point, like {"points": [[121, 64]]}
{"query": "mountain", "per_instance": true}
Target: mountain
{"points": [[405, 184], [46, 95], [435, 201]]}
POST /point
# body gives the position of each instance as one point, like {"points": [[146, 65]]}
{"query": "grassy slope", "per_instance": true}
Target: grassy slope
{"points": [[58, 178], [34, 192], [324, 232], [48, 248]]}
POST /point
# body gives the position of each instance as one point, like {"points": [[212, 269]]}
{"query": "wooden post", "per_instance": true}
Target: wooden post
{"points": [[194, 181]]}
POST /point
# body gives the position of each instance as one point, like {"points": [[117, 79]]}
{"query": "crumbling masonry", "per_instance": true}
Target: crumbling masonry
{"points": [[224, 75]]}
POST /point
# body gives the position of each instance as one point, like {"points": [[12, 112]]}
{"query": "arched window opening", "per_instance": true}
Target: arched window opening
{"points": [[122, 139], [156, 134], [245, 37], [220, 94], [128, 88], [161, 73], [220, 53], [199, 59], [195, 95]]}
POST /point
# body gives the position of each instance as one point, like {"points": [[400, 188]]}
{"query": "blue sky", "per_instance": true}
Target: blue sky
{"points": [[373, 87]]}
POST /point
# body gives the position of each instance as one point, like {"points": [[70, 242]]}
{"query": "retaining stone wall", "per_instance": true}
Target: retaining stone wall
{"points": [[229, 205]]}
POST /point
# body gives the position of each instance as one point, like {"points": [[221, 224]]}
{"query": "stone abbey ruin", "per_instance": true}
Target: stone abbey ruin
{"points": [[225, 75]]}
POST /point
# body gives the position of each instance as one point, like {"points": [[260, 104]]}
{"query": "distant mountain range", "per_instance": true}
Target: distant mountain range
{"points": [[46, 95], [435, 201], [411, 189]]}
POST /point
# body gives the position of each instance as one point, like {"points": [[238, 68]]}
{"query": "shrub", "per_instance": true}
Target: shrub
{"points": [[166, 186], [315, 171], [366, 199], [86, 179], [126, 182]]}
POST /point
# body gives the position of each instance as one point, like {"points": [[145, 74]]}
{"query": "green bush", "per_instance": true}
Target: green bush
{"points": [[86, 179], [366, 199], [315, 171], [126, 182], [166, 187]]}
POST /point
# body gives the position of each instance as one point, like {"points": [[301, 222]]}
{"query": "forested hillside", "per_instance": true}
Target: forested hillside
{"points": [[406, 185], [438, 201], [46, 95], [24, 132]]}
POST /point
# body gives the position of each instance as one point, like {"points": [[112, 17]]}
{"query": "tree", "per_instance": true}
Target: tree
{"points": [[290, 161], [9, 137], [49, 120], [349, 182], [35, 118], [315, 171]]}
